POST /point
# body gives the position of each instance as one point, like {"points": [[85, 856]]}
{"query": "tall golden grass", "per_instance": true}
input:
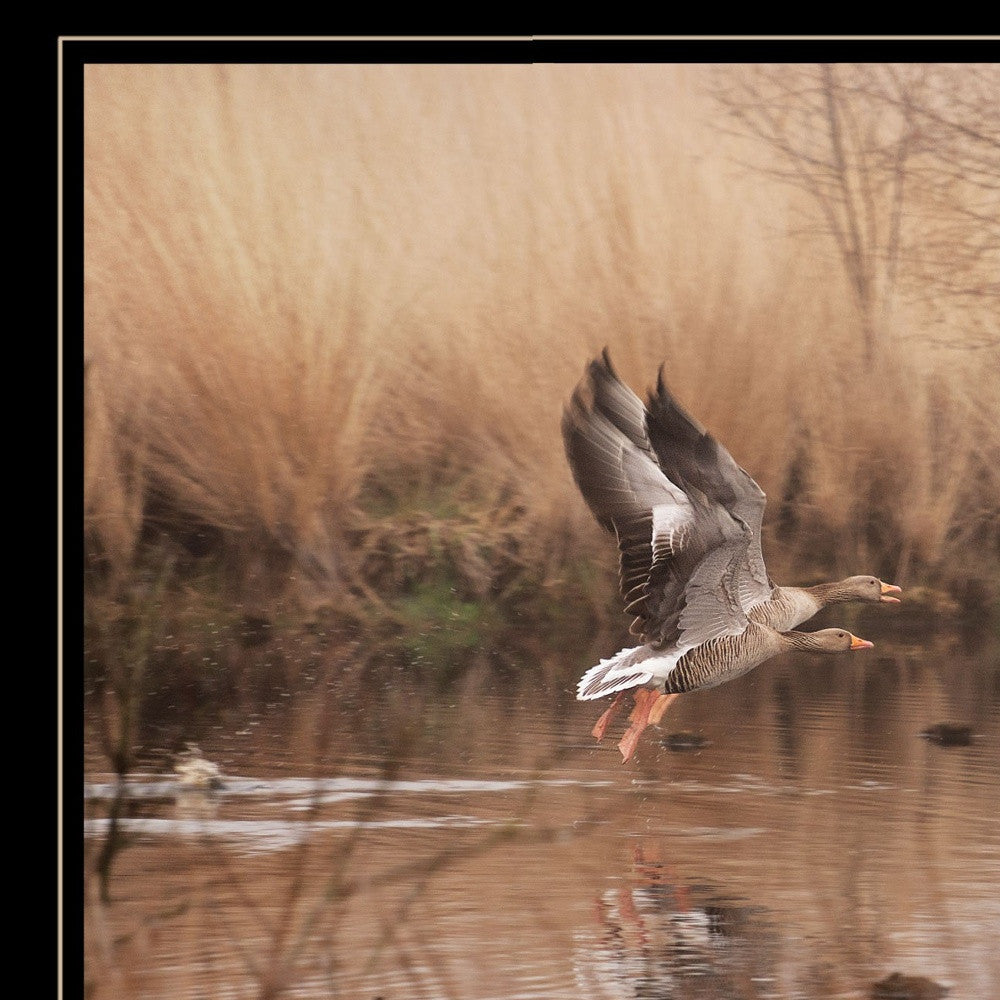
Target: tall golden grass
{"points": [[321, 295]]}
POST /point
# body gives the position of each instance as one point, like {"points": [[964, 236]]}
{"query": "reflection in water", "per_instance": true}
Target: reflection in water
{"points": [[814, 845], [662, 938], [785, 727], [194, 807]]}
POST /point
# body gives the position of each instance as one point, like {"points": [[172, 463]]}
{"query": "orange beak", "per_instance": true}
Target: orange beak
{"points": [[889, 588], [857, 643]]}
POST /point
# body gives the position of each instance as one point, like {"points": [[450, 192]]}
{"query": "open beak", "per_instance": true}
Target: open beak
{"points": [[857, 643], [887, 589]]}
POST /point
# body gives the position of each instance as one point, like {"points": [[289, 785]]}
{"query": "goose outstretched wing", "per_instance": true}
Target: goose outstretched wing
{"points": [[690, 457], [687, 525]]}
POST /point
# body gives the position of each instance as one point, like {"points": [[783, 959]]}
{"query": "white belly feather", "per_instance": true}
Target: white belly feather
{"points": [[635, 667]]}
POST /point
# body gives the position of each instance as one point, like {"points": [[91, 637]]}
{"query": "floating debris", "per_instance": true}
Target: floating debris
{"points": [[684, 741], [900, 987], [949, 734], [195, 771]]}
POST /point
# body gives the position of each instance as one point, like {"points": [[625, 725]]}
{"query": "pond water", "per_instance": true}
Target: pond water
{"points": [[372, 840]]}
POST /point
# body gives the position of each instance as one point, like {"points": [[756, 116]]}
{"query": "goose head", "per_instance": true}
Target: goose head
{"points": [[828, 640], [867, 588]]}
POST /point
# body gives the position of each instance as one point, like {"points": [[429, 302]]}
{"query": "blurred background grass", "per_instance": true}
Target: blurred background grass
{"points": [[332, 314]]}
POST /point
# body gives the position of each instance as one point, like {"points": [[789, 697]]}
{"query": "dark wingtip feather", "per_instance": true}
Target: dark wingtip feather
{"points": [[665, 408], [601, 368], [574, 414]]}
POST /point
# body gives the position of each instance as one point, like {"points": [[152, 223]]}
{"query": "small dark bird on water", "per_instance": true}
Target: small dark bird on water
{"points": [[949, 734]]}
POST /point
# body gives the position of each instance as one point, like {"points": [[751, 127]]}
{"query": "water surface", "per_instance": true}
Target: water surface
{"points": [[383, 842]]}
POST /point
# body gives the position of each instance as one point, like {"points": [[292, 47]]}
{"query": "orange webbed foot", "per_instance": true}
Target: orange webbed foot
{"points": [[649, 709], [644, 702], [660, 706], [629, 742], [601, 726]]}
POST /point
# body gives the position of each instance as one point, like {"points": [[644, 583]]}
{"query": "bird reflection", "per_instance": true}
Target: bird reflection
{"points": [[785, 727], [663, 938]]}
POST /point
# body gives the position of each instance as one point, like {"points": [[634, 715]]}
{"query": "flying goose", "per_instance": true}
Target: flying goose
{"points": [[687, 519]]}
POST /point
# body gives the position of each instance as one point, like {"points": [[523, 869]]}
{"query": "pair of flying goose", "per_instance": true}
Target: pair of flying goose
{"points": [[687, 519]]}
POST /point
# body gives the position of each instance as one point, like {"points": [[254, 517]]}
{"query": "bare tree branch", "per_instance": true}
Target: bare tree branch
{"points": [[901, 164]]}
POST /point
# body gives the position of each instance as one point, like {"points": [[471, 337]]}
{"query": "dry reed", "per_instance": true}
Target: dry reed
{"points": [[322, 298]]}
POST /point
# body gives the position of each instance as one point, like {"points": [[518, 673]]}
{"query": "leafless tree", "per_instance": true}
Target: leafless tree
{"points": [[953, 258], [901, 167]]}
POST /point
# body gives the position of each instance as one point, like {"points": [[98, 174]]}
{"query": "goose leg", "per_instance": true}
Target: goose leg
{"points": [[659, 708], [644, 702], [600, 727], [649, 709]]}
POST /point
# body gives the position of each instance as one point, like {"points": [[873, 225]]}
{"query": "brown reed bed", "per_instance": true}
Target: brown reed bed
{"points": [[332, 314]]}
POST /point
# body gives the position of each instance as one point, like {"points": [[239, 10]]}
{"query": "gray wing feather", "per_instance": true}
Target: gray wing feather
{"points": [[712, 606], [621, 483], [696, 461], [686, 516]]}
